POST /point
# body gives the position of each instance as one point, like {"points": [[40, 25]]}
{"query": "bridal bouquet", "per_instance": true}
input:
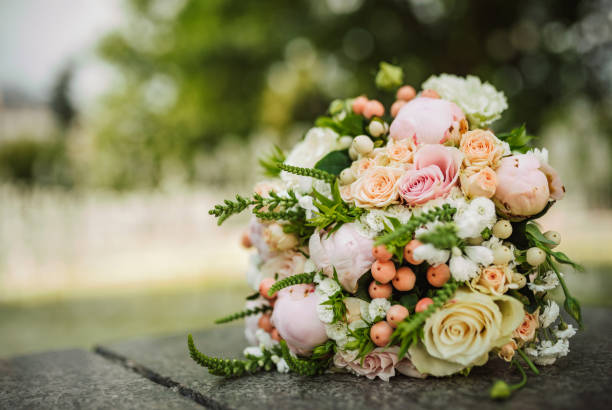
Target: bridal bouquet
{"points": [[403, 243]]}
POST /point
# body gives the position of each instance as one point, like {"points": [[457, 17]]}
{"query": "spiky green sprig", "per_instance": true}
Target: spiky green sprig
{"points": [[333, 212], [407, 331], [303, 367], [397, 237], [273, 203], [269, 163], [442, 236], [220, 367], [247, 312], [300, 278], [308, 172]]}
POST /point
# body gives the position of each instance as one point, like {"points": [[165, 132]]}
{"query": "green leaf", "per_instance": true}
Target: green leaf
{"points": [[533, 230], [409, 301], [270, 162], [517, 139], [351, 124], [572, 307]]}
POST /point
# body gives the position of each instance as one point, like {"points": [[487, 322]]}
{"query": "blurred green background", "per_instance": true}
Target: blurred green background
{"points": [[122, 122]]}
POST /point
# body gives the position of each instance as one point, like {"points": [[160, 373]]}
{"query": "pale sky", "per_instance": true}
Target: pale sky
{"points": [[39, 37]]}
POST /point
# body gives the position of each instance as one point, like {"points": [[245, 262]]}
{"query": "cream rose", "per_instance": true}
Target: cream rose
{"points": [[463, 332], [493, 280], [376, 187], [475, 183], [481, 149]]}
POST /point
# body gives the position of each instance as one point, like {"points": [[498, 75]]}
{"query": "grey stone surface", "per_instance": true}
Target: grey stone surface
{"points": [[77, 379], [580, 380]]}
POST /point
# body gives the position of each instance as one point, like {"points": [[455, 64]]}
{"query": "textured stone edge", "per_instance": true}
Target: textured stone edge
{"points": [[157, 378]]}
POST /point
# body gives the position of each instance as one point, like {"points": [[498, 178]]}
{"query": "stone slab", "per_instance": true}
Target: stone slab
{"points": [[77, 379], [580, 380]]}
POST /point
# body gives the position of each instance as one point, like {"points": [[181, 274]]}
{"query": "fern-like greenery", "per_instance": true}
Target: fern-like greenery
{"points": [[407, 332], [242, 314], [302, 367], [270, 162], [333, 212], [298, 279], [265, 206], [442, 236], [308, 172], [395, 239]]}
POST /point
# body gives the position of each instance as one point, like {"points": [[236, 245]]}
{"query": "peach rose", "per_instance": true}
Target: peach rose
{"points": [[475, 183], [277, 239], [426, 120], [362, 165], [377, 187], [400, 151], [526, 330], [522, 188], [493, 280], [506, 352], [436, 171], [481, 148]]}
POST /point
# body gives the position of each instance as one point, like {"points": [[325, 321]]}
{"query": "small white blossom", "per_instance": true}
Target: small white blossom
{"points": [[570, 331], [364, 309], [549, 352], [378, 308], [431, 254], [306, 202], [309, 266], [547, 281], [549, 314], [252, 351], [337, 331], [325, 313], [400, 212], [479, 214], [479, 254], [376, 220], [327, 287], [264, 339], [540, 154], [282, 366], [462, 269]]}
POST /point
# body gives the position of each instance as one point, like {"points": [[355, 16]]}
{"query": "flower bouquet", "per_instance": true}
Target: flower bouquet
{"points": [[403, 243]]}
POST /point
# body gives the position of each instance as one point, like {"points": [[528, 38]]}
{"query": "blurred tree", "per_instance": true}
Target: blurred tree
{"points": [[62, 107], [195, 73]]}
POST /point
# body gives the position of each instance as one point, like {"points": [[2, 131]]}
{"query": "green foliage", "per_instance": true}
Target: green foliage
{"points": [[362, 341], [407, 332], [298, 279], [242, 314], [517, 139], [350, 124], [324, 351], [389, 77], [269, 163], [274, 203], [221, 367], [336, 302], [333, 212], [308, 172], [571, 304], [536, 238], [303, 367], [400, 234], [442, 236], [334, 162]]}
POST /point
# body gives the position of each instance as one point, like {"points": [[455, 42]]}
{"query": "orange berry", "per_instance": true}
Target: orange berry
{"points": [[396, 107], [264, 287], [381, 253], [359, 104], [409, 249], [265, 323], [396, 314], [275, 335], [380, 333], [373, 108], [405, 93], [438, 275], [423, 304], [430, 94], [404, 279], [380, 291], [383, 272]]}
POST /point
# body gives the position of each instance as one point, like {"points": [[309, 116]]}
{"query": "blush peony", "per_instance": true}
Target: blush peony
{"points": [[346, 250], [436, 171], [426, 120]]}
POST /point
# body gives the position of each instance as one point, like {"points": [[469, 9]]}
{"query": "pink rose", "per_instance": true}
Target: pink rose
{"points": [[426, 120], [522, 188], [481, 183], [436, 171], [526, 330], [346, 250], [380, 362], [296, 319]]}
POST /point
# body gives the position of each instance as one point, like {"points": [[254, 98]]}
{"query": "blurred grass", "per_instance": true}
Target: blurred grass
{"points": [[52, 323]]}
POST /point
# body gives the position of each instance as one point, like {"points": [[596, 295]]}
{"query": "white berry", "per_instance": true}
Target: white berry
{"points": [[502, 229], [352, 153], [502, 255], [363, 144], [376, 129], [345, 141], [347, 176], [535, 256], [553, 236]]}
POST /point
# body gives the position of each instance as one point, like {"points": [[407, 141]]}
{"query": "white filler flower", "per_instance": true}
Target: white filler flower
{"points": [[378, 308], [481, 102], [545, 282], [549, 314]]}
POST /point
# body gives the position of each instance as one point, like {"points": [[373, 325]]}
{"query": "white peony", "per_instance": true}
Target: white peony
{"points": [[549, 314], [317, 143], [481, 102]]}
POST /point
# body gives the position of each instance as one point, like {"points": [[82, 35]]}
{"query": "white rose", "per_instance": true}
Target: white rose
{"points": [[317, 143], [463, 332]]}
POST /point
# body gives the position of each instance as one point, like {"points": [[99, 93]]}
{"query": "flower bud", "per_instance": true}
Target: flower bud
{"points": [[363, 144], [376, 128], [347, 176], [389, 76]]}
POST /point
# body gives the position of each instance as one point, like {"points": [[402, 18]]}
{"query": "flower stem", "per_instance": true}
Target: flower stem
{"points": [[527, 360]]}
